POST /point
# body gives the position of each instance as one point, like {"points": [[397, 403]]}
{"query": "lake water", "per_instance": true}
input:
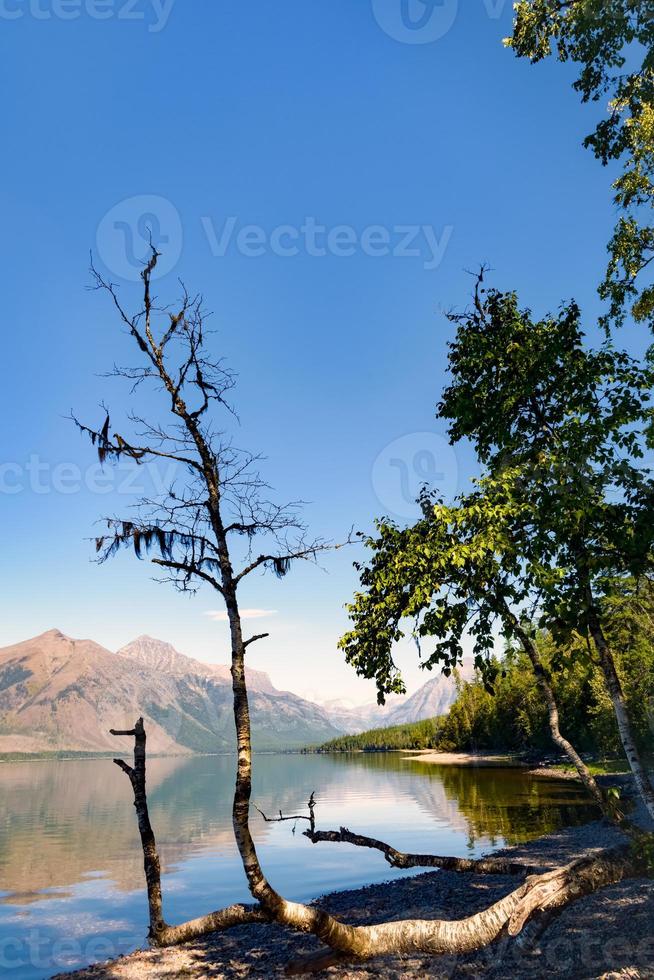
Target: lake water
{"points": [[71, 880]]}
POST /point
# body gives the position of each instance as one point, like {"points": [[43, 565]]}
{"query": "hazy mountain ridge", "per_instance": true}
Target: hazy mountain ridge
{"points": [[59, 694], [434, 698]]}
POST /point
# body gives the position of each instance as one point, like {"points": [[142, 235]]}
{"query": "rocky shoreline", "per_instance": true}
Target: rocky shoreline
{"points": [[608, 935]]}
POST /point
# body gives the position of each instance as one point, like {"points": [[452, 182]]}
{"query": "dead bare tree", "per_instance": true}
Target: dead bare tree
{"points": [[191, 531], [160, 933]]}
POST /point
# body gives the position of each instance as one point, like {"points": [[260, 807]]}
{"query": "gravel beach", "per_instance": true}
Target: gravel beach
{"points": [[609, 934]]}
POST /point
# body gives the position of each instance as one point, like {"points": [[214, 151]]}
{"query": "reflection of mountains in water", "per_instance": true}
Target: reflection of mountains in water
{"points": [[60, 822]]}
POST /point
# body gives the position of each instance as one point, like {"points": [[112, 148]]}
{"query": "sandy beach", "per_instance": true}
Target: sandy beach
{"points": [[462, 758]]}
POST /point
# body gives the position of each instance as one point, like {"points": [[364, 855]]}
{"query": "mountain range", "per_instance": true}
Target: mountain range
{"points": [[62, 695], [58, 694], [435, 697]]}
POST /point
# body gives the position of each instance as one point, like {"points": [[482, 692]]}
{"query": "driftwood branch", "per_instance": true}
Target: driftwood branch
{"points": [[398, 859], [311, 818], [160, 933]]}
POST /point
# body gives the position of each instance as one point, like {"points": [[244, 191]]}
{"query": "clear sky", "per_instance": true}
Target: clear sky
{"points": [[347, 135]]}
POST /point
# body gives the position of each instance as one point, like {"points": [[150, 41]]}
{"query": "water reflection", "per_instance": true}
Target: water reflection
{"points": [[70, 861], [61, 821], [490, 804]]}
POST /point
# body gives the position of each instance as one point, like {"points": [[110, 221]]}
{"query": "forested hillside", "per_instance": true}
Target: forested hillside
{"points": [[513, 717]]}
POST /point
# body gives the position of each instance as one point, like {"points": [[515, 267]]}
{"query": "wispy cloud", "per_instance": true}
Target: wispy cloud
{"points": [[220, 615]]}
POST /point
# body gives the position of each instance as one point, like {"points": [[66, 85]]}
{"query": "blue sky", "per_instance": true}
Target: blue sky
{"points": [[206, 119]]}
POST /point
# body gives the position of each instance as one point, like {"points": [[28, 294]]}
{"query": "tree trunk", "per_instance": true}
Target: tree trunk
{"points": [[221, 921], [160, 933], [614, 687], [542, 892], [151, 863], [283, 911], [544, 683]]}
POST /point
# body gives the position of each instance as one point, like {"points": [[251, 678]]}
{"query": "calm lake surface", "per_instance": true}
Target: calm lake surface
{"points": [[71, 880]]}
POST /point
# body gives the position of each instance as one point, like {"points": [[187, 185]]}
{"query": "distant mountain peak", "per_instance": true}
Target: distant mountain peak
{"points": [[55, 638], [164, 657], [155, 653], [54, 634], [434, 698], [59, 694]]}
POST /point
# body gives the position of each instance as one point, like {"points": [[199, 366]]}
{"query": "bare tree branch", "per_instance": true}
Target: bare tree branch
{"points": [[253, 639], [281, 818], [160, 933], [189, 570]]}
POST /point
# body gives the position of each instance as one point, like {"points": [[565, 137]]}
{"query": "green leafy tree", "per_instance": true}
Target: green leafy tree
{"points": [[456, 573], [563, 509], [514, 716], [612, 42], [560, 429]]}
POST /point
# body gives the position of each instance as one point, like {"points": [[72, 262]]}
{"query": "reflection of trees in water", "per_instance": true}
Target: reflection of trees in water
{"points": [[491, 802], [62, 820], [509, 803]]}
